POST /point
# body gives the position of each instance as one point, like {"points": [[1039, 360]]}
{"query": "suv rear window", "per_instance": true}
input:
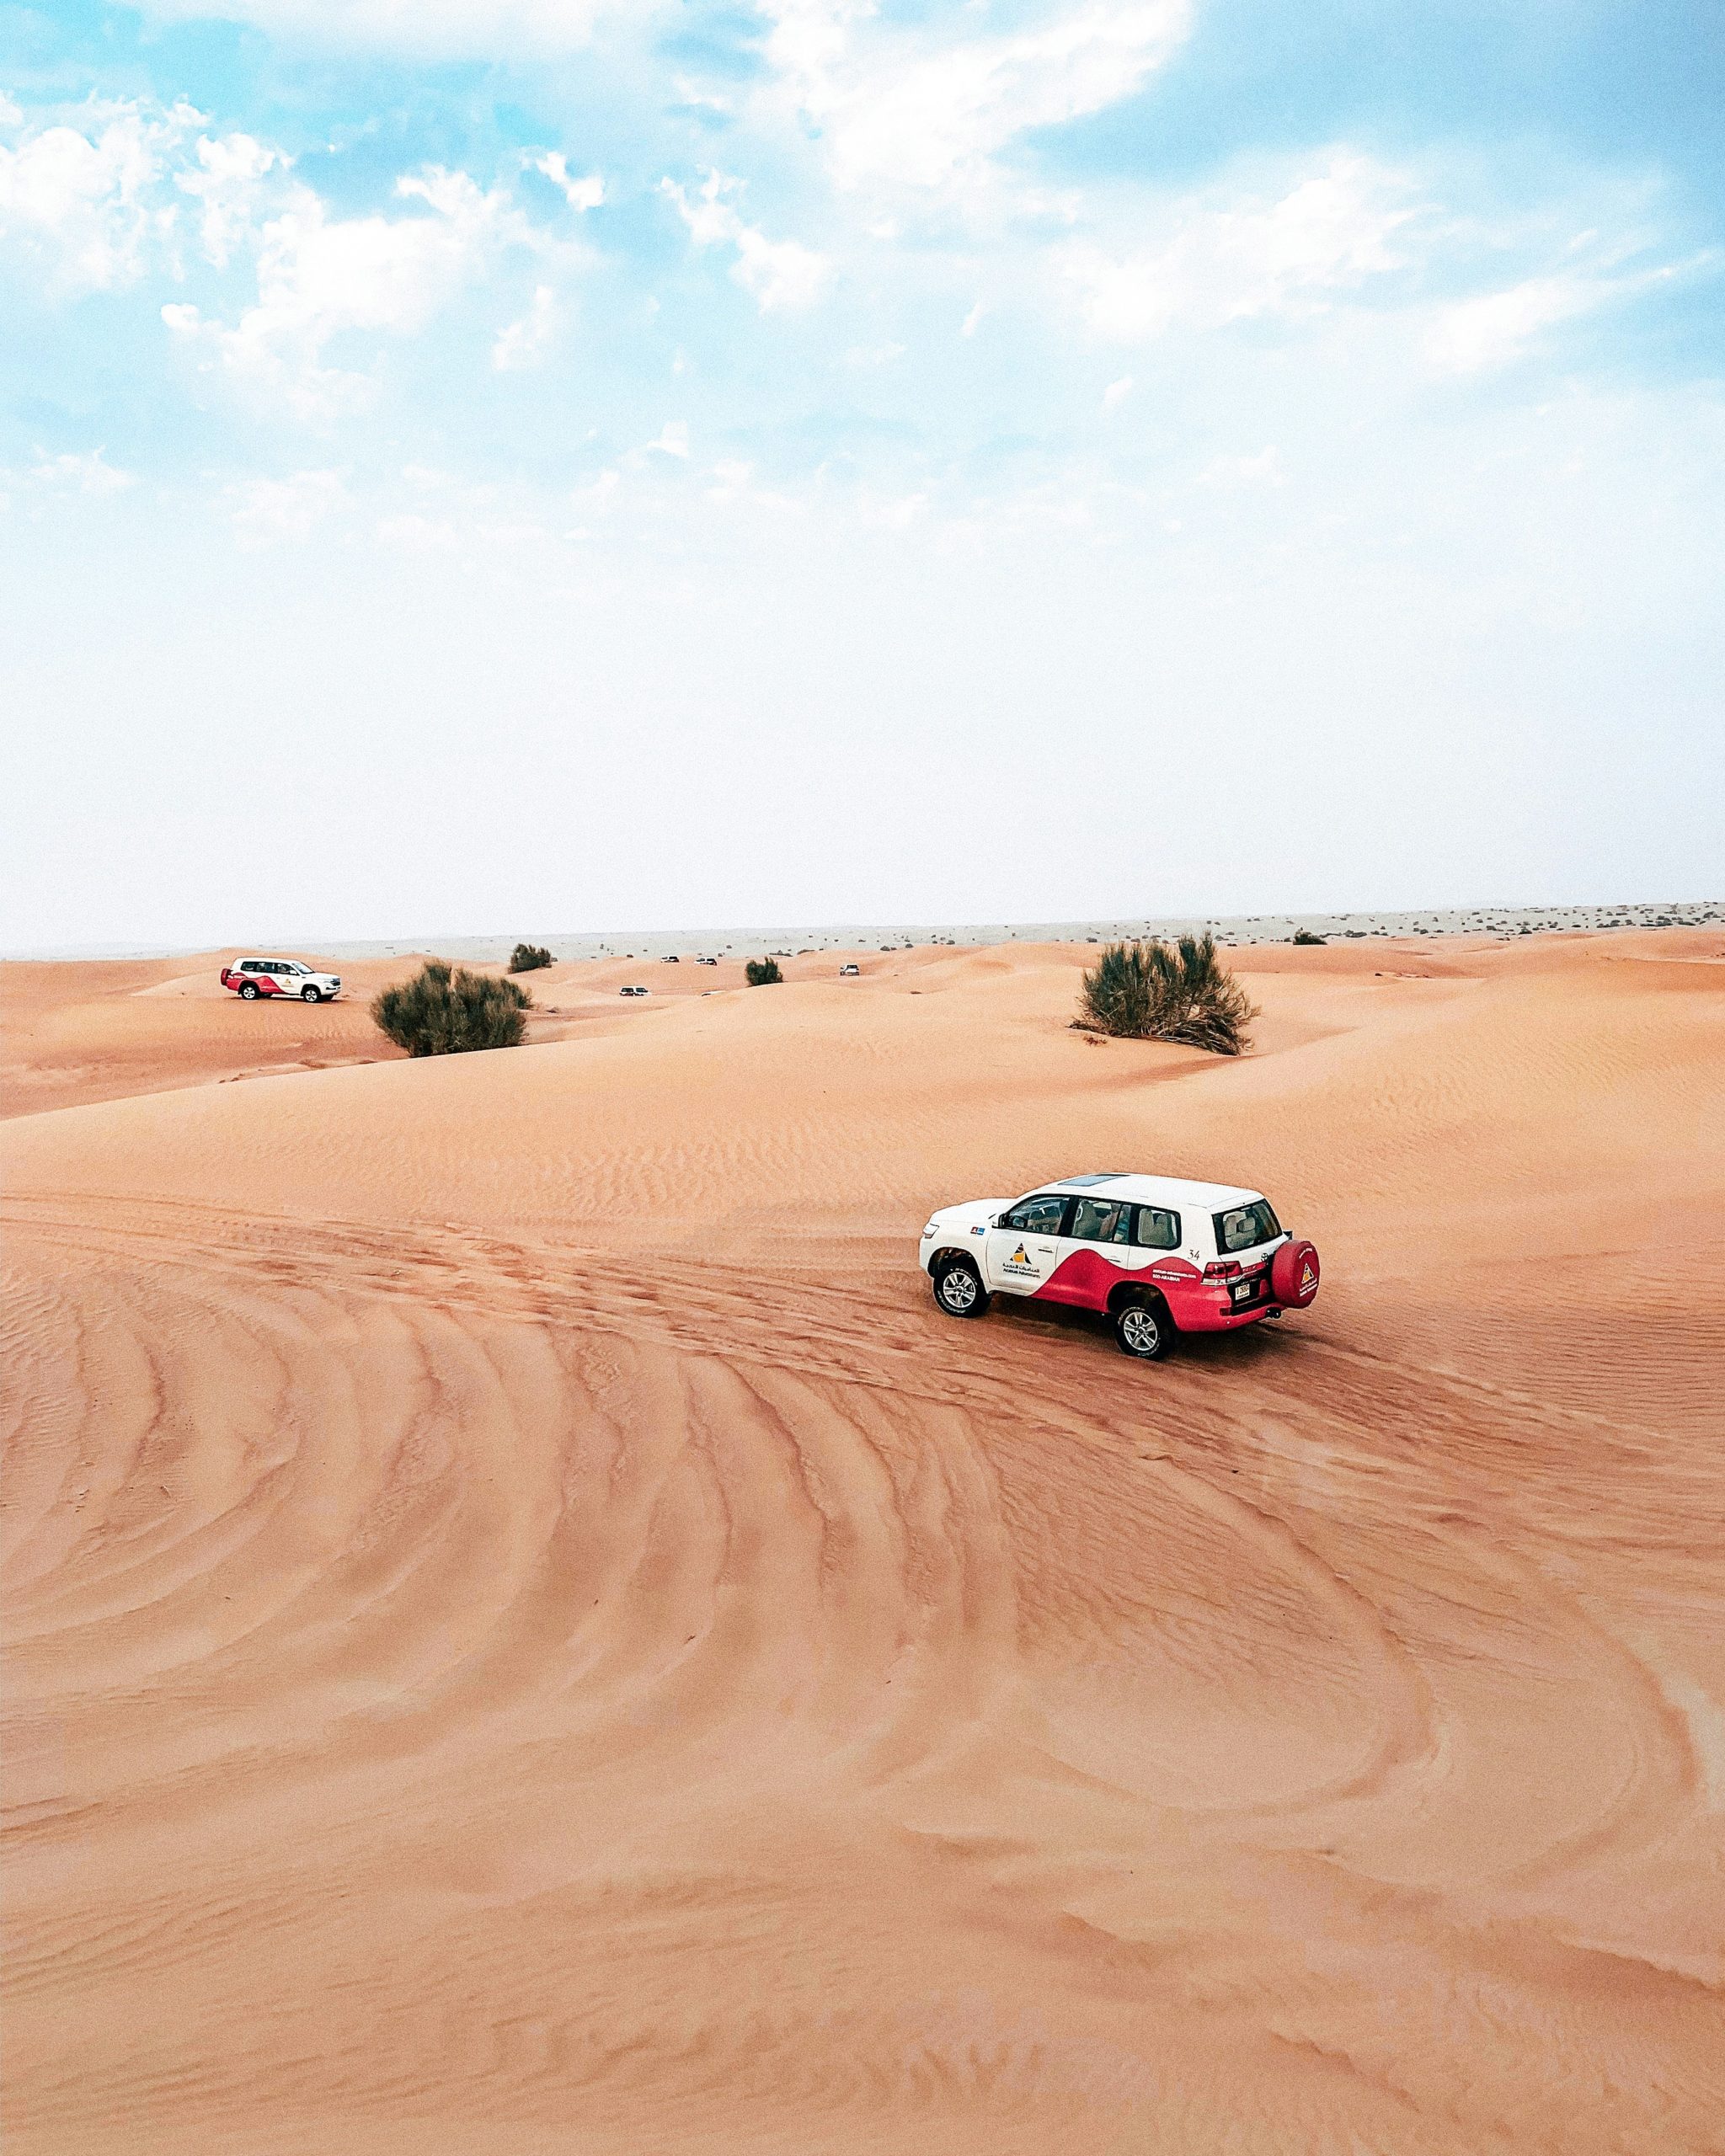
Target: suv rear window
{"points": [[1244, 1227]]}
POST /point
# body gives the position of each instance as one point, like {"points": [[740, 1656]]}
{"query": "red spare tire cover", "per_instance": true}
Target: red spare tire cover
{"points": [[1294, 1274]]}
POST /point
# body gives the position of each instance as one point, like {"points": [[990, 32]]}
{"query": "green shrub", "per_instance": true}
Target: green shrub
{"points": [[439, 1012], [761, 972], [1306, 936], [528, 958], [1155, 991]]}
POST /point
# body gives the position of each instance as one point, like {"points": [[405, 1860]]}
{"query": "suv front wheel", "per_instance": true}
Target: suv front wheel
{"points": [[1144, 1330], [311, 993], [958, 1288]]}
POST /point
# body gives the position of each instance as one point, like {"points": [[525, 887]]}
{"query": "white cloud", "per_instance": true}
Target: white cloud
{"points": [[319, 275], [417, 535], [895, 512], [874, 355], [694, 97], [603, 492], [86, 196], [672, 439], [1477, 335], [101, 193], [1329, 235], [228, 186], [581, 193], [88, 472], [925, 110], [1116, 393], [523, 344], [1263, 468], [973, 321], [780, 274], [267, 511]]}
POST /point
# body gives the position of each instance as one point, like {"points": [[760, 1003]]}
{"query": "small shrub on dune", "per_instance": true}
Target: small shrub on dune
{"points": [[441, 1012], [1305, 936], [1157, 992], [761, 972], [529, 957]]}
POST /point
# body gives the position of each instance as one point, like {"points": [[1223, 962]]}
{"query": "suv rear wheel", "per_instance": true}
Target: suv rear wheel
{"points": [[311, 993], [249, 991], [958, 1288], [1143, 1331]]}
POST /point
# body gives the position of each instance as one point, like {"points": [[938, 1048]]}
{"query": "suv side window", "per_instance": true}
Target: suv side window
{"points": [[1101, 1220], [1156, 1230], [1037, 1216], [250, 966]]}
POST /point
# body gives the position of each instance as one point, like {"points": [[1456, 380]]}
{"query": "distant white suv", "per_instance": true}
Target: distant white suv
{"points": [[1158, 1255], [251, 977]]}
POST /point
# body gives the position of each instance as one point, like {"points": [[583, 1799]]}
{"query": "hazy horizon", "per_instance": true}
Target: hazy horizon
{"points": [[650, 941]]}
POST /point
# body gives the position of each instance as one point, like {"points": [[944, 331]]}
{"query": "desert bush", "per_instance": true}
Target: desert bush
{"points": [[439, 1012], [1306, 936], [1157, 991], [528, 958], [761, 972]]}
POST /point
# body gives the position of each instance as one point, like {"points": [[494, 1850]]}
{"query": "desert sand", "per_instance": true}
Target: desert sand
{"points": [[526, 1631]]}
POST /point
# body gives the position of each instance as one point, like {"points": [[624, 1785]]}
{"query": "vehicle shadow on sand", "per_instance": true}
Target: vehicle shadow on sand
{"points": [[1250, 1347]]}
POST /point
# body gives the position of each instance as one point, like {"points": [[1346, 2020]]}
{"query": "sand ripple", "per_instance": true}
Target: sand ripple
{"points": [[477, 1687]]}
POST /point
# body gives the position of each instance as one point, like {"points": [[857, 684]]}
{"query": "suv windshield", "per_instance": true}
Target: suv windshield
{"points": [[1244, 1227]]}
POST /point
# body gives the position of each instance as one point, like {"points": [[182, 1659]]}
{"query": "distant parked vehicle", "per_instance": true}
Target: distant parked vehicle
{"points": [[847, 973], [706, 962], [671, 958], [250, 977], [634, 991]]}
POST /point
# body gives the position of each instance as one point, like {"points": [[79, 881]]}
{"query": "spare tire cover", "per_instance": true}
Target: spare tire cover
{"points": [[1294, 1274]]}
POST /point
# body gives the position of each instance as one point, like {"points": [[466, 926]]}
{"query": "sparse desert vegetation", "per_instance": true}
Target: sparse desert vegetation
{"points": [[444, 1011], [762, 973], [530, 957], [1158, 992]]}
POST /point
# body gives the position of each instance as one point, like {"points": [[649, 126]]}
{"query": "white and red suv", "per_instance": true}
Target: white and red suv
{"points": [[1158, 1255], [251, 977]]}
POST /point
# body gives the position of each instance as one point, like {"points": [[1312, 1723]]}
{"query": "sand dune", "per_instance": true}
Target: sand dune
{"points": [[528, 1631], [78, 1032]]}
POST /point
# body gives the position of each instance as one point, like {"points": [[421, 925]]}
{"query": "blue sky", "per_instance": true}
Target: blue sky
{"points": [[482, 465]]}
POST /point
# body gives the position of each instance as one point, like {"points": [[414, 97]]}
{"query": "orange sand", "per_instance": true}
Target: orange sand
{"points": [[528, 1631]]}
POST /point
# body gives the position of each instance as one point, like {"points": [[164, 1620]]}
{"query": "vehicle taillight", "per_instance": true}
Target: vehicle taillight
{"points": [[1222, 1269]]}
